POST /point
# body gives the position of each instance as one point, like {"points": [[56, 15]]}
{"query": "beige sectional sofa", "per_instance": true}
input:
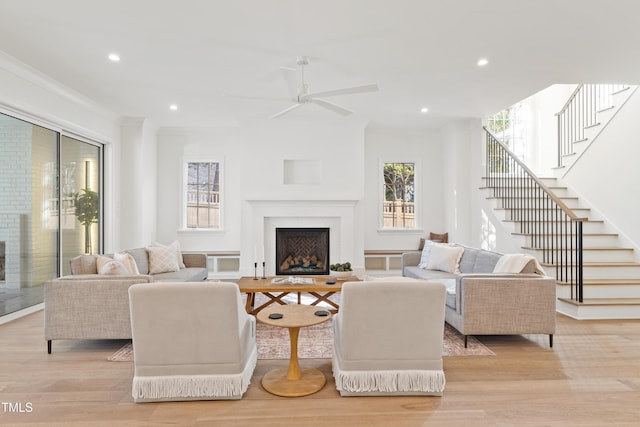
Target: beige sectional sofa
{"points": [[481, 302], [88, 305]]}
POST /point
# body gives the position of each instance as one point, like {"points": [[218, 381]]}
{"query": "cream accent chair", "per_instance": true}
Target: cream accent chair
{"points": [[191, 341], [388, 338]]}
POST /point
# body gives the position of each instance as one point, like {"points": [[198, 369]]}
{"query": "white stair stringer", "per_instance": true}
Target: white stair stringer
{"points": [[611, 270], [591, 132]]}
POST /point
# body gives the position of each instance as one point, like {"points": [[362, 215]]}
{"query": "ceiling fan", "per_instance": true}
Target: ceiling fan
{"points": [[300, 94]]}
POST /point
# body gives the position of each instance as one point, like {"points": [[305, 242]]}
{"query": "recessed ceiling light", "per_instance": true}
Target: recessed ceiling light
{"points": [[114, 57], [482, 62], [173, 107], [424, 110]]}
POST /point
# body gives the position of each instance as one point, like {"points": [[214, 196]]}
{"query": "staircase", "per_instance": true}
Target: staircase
{"points": [[611, 273], [585, 114], [598, 274]]}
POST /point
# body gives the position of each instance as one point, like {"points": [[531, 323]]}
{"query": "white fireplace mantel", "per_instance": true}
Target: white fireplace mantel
{"points": [[264, 216]]}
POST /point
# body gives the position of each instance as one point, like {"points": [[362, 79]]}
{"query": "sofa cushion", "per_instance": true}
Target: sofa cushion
{"points": [[84, 264], [162, 259], [141, 257], [478, 260], [450, 284], [189, 274], [422, 274], [443, 238], [128, 261], [110, 266], [445, 258], [424, 255], [175, 246]]}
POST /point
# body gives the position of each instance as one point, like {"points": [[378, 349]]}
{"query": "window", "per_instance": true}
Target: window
{"points": [[203, 195], [399, 195]]}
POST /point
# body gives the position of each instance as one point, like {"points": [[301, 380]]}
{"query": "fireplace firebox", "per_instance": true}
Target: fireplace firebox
{"points": [[302, 251]]}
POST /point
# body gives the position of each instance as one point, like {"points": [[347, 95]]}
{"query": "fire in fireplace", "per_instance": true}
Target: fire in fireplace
{"points": [[301, 251]]}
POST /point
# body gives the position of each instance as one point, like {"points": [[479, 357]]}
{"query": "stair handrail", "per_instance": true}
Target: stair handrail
{"points": [[537, 180], [581, 112], [553, 227]]}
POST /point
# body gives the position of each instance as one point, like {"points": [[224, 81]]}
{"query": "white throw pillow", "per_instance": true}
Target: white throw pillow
{"points": [[428, 244], [128, 261], [162, 259], [109, 266], [445, 258], [175, 246]]}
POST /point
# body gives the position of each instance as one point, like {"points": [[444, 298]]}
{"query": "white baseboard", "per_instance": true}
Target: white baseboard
{"points": [[21, 313]]}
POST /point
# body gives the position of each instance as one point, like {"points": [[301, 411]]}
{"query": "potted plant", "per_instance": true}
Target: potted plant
{"points": [[341, 270], [87, 204]]}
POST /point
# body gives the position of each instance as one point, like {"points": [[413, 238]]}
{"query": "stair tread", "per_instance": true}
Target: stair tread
{"points": [[540, 198], [600, 264], [606, 282], [593, 221], [561, 235], [593, 248], [603, 301], [538, 209]]}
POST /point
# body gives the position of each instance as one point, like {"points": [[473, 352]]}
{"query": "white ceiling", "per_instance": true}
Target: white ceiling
{"points": [[421, 53]]}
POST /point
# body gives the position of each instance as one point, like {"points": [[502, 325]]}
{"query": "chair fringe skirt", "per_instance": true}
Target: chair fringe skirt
{"points": [[184, 387]]}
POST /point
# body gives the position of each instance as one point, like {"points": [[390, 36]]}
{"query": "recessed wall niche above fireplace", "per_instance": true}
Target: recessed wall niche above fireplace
{"points": [[302, 251]]}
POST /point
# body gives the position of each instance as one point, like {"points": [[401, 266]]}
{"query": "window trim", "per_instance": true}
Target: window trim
{"points": [[417, 197], [183, 189]]}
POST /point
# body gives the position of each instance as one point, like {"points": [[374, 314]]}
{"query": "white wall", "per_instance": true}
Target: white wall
{"points": [[606, 176], [136, 206], [394, 145], [253, 158], [543, 146], [469, 216], [27, 94]]}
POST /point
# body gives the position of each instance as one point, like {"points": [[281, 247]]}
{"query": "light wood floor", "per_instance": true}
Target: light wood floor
{"points": [[590, 378]]}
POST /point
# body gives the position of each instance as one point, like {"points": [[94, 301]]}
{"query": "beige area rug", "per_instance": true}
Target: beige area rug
{"points": [[316, 342]]}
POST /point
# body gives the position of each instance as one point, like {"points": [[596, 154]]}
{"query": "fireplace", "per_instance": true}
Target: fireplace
{"points": [[302, 251]]}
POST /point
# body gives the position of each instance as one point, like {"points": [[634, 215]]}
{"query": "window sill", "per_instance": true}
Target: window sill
{"points": [[389, 230], [201, 231]]}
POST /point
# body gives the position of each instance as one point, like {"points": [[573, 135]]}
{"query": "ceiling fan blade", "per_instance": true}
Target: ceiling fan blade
{"points": [[290, 76], [331, 106], [286, 110], [345, 91]]}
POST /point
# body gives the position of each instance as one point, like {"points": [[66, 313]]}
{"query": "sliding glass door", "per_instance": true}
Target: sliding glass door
{"points": [[50, 207], [80, 198]]}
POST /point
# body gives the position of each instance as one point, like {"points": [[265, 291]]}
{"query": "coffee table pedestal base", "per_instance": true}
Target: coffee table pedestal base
{"points": [[276, 382]]}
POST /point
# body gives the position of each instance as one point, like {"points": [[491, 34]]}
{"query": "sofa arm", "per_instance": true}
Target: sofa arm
{"points": [[195, 260], [507, 305], [411, 259], [90, 306]]}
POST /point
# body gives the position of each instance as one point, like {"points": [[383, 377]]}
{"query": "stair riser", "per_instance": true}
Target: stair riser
{"points": [[601, 291], [599, 312], [613, 255], [587, 227], [587, 241], [570, 203], [510, 191], [604, 272], [548, 181], [538, 214]]}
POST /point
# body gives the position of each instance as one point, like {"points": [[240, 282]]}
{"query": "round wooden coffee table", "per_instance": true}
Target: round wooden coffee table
{"points": [[293, 381]]}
